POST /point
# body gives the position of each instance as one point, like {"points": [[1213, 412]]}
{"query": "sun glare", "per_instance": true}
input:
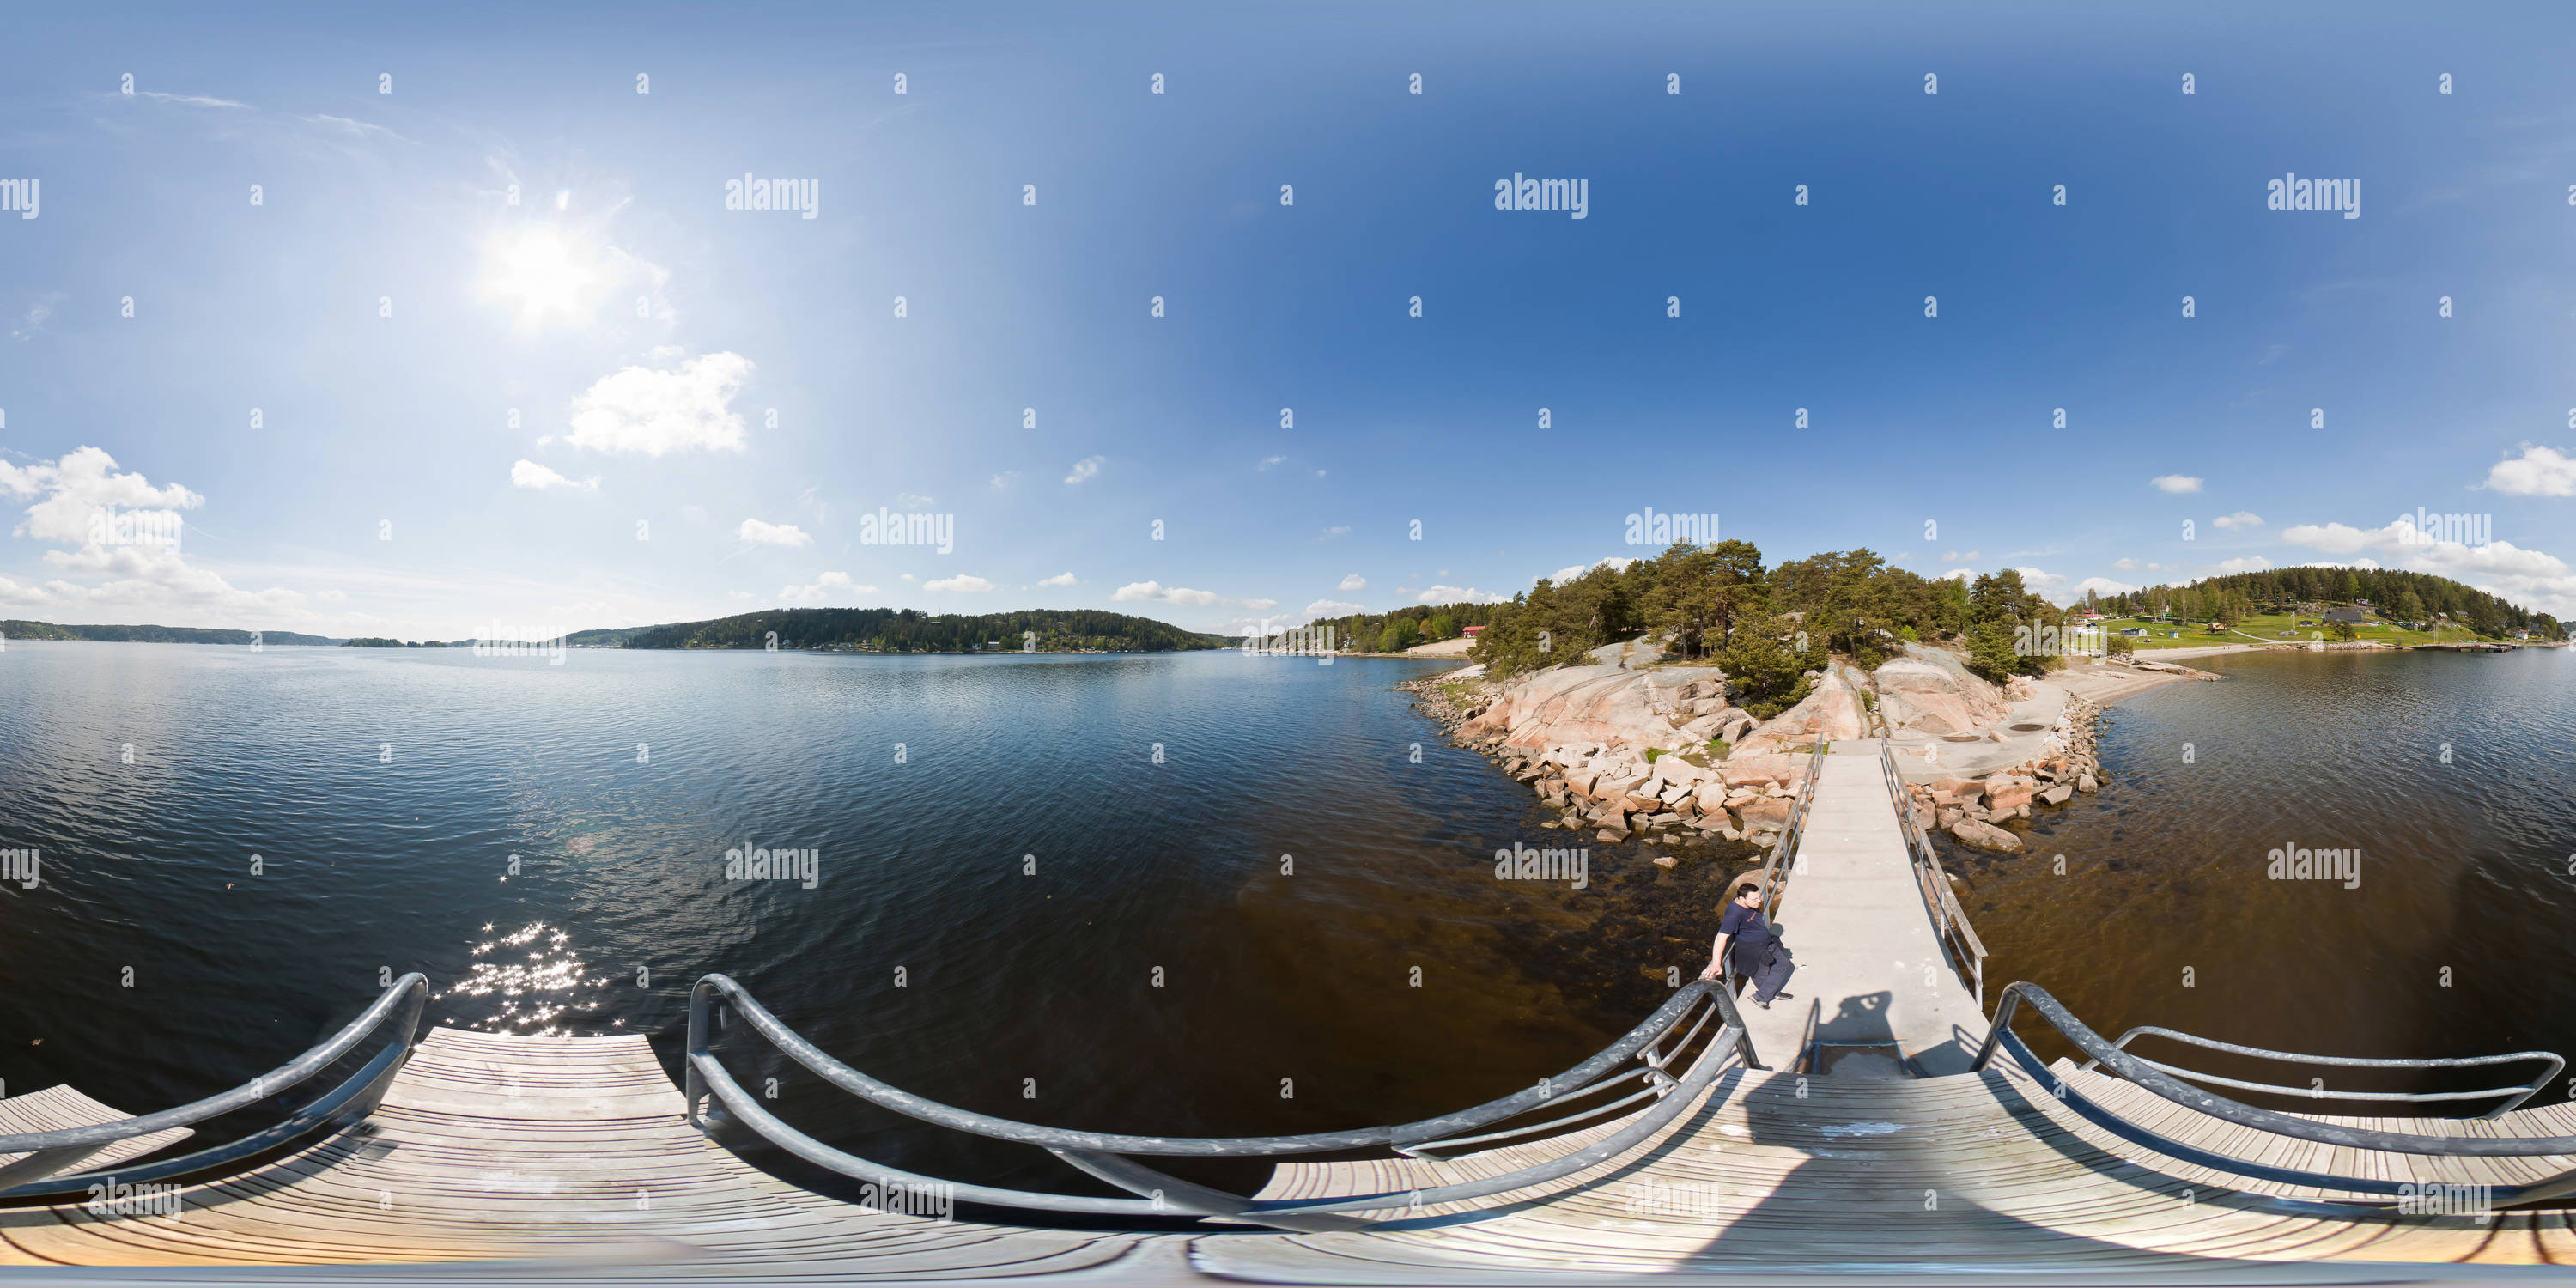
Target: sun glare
{"points": [[543, 273]]}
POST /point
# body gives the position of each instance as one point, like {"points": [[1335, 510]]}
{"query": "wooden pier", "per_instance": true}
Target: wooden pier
{"points": [[490, 1154]]}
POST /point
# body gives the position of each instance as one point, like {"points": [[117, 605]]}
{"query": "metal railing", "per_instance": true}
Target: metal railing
{"points": [[46, 1171], [1778, 866], [1949, 920], [2516, 1095], [1099, 1154], [2151, 1077], [1779, 863]]}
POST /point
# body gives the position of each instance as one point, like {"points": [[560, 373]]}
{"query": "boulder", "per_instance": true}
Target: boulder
{"points": [[2058, 795], [1608, 706], [1663, 860], [1756, 770], [1985, 836], [1832, 711], [2086, 783], [2010, 798], [1607, 836], [1931, 690], [1768, 814]]}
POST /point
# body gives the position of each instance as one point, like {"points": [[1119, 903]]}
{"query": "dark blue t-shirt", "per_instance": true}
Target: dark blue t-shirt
{"points": [[1751, 945]]}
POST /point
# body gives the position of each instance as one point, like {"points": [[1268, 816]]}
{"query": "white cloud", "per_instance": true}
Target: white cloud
{"points": [[2539, 471], [961, 583], [822, 586], [1353, 582], [2176, 482], [653, 412], [1005, 479], [2249, 563], [1268, 461], [772, 534], [2125, 565], [1572, 571], [913, 501], [1087, 467], [187, 100], [1958, 574], [2337, 538], [77, 495], [529, 474], [1157, 592], [1342, 530], [2240, 519], [2102, 586], [2036, 579], [33, 324], [1060, 579], [1332, 608], [1458, 595], [1956, 557]]}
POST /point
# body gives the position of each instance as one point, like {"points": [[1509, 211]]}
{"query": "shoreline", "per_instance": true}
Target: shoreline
{"points": [[1661, 755]]}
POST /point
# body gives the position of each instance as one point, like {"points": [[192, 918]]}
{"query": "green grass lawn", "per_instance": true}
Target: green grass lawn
{"points": [[2267, 627]]}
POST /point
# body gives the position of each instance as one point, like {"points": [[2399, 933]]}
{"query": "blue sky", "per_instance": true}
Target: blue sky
{"points": [[385, 307]]}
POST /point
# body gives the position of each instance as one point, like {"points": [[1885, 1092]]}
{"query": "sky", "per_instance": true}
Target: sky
{"points": [[438, 323]]}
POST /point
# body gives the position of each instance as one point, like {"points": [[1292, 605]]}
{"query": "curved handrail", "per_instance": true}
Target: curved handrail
{"points": [[1095, 1152], [2557, 1065], [51, 1154], [2148, 1077]]}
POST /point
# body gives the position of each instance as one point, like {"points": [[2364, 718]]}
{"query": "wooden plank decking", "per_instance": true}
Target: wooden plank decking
{"points": [[515, 1149]]}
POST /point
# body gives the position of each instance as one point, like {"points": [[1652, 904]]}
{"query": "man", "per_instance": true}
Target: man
{"points": [[1759, 954]]}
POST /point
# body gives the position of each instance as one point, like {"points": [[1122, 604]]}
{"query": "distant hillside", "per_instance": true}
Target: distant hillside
{"points": [[887, 630], [2391, 593], [152, 634]]}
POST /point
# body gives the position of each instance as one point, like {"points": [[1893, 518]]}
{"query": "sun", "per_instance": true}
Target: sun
{"points": [[543, 273]]}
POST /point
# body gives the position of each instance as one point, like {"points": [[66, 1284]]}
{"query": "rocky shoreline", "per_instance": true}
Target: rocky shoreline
{"points": [[1972, 809], [1661, 754], [1621, 790]]}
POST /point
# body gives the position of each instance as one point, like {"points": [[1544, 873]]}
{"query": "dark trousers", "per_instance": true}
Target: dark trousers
{"points": [[1774, 974]]}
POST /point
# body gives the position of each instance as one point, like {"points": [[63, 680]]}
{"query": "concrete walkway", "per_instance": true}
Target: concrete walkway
{"points": [[1869, 964]]}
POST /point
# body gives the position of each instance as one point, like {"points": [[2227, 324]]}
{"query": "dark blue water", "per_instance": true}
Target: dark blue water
{"points": [[387, 793], [2453, 774]]}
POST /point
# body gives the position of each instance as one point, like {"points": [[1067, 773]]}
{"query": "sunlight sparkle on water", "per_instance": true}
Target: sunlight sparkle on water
{"points": [[533, 981]]}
